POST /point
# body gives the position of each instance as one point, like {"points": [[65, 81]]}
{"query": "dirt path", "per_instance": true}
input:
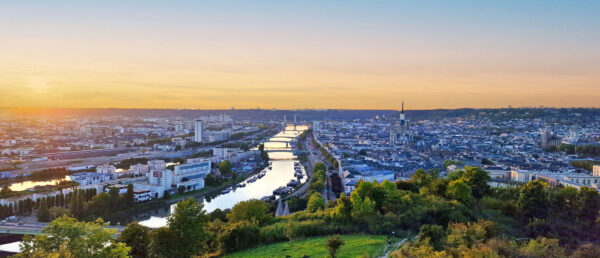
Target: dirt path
{"points": [[394, 247]]}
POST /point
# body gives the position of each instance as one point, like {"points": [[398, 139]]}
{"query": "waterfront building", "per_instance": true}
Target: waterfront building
{"points": [[191, 176]]}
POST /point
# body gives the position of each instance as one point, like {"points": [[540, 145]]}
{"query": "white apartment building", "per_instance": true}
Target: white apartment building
{"points": [[106, 169]]}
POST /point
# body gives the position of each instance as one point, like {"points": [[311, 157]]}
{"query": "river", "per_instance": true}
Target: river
{"points": [[281, 173]]}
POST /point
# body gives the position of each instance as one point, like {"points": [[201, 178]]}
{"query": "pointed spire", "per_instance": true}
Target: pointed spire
{"points": [[286, 210], [279, 210], [402, 106]]}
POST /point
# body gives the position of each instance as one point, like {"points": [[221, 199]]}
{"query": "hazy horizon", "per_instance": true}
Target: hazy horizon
{"points": [[293, 55]]}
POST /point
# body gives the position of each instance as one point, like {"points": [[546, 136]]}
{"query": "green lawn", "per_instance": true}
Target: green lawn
{"points": [[355, 246]]}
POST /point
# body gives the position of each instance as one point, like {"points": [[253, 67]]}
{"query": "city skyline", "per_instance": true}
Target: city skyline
{"points": [[218, 55]]}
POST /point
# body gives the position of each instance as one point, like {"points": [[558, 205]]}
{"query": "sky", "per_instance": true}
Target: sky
{"points": [[299, 54]]}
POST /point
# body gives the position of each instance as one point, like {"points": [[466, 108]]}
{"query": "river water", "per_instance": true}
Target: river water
{"points": [[281, 173]]}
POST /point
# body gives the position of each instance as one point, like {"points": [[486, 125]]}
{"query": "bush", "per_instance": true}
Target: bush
{"points": [[239, 236], [273, 233]]}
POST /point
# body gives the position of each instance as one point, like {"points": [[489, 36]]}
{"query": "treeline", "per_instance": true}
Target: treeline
{"points": [[237, 136], [318, 180], [304, 134], [585, 150], [55, 204], [585, 164], [330, 158], [49, 174], [126, 163]]}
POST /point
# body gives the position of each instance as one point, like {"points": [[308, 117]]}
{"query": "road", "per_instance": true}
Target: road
{"points": [[314, 156]]}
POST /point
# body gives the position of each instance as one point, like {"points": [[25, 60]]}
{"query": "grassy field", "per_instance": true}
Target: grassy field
{"points": [[355, 246]]}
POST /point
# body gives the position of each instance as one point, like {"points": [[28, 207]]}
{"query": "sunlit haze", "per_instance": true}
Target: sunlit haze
{"points": [[299, 54]]}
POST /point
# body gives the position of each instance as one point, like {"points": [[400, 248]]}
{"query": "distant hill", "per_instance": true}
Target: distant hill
{"points": [[311, 114]]}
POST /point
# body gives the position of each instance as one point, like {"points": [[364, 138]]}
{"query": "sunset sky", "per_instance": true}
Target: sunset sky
{"points": [[299, 54]]}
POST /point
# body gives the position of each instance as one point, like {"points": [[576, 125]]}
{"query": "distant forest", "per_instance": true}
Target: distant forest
{"points": [[310, 115]]}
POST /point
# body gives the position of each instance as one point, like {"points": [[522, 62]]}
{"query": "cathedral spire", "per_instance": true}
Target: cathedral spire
{"points": [[402, 106]]}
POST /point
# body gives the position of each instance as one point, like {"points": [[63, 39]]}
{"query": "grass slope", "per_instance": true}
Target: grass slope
{"points": [[355, 246]]}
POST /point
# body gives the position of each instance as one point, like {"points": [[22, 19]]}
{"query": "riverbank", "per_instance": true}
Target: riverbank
{"points": [[205, 192]]}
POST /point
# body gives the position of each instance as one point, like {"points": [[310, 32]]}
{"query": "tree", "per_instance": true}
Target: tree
{"points": [[343, 209], [460, 191], [588, 203], [76, 205], [43, 214], [533, 199], [543, 247], [333, 244], [218, 214], [433, 234], [361, 208], [129, 198], [79, 239], [137, 237], [315, 202], [238, 236], [477, 179], [225, 167], [253, 209], [187, 224], [162, 241], [115, 201]]}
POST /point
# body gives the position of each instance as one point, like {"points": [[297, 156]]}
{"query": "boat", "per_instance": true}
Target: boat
{"points": [[268, 198], [226, 191], [241, 185], [270, 167], [279, 191], [293, 183], [261, 175]]}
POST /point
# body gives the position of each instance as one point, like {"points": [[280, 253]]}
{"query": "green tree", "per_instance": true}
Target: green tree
{"points": [[238, 236], [129, 195], [79, 239], [333, 244], [343, 209], [253, 209], [477, 179], [162, 241], [533, 200], [187, 223], [43, 214], [458, 190], [225, 167], [543, 247], [315, 202], [137, 237], [588, 203], [434, 235], [361, 208]]}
